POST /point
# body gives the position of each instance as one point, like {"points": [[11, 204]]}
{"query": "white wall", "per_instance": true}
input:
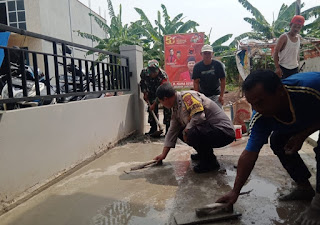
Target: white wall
{"points": [[33, 15], [58, 21], [55, 19], [38, 143]]}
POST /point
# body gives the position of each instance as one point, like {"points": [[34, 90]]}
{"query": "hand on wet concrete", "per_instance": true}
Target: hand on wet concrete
{"points": [[229, 198], [159, 158]]}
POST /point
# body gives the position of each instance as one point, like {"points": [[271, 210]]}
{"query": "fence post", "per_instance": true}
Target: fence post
{"points": [[135, 54]]}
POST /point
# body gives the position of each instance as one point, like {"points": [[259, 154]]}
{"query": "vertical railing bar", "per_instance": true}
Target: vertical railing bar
{"points": [[124, 77], [128, 74], [35, 71], [108, 77], [103, 76], [9, 80], [112, 73], [99, 76], [87, 75], [23, 74], [74, 73], [81, 75], [117, 73], [93, 77], [65, 72], [56, 67], [46, 71], [121, 75]]}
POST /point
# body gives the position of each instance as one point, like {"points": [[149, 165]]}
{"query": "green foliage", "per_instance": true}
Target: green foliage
{"points": [[232, 87], [262, 30], [116, 33], [263, 62], [232, 73], [221, 40], [218, 48], [151, 38], [155, 48]]}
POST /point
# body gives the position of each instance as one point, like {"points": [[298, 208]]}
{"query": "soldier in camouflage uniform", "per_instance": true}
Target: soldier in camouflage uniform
{"points": [[151, 78]]}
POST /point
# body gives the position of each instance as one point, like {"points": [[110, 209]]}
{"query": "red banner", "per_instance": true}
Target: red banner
{"points": [[181, 52]]}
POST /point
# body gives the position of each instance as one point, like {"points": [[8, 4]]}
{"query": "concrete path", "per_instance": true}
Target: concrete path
{"points": [[101, 193]]}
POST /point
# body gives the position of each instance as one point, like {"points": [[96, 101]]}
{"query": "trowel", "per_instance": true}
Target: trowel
{"points": [[207, 214]]}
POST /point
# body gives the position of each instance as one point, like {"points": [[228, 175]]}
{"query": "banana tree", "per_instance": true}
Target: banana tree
{"points": [[262, 30], [116, 33], [155, 34]]}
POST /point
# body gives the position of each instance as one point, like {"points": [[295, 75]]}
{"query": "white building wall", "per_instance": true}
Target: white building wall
{"points": [[38, 143], [33, 15], [58, 19]]}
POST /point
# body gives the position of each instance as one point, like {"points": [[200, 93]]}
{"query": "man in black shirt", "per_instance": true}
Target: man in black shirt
{"points": [[209, 76]]}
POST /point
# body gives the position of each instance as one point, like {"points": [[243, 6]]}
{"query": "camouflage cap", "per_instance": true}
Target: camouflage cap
{"points": [[153, 64]]}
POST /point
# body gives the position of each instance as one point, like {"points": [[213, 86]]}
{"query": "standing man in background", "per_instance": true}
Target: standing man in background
{"points": [[151, 78], [286, 53], [209, 76]]}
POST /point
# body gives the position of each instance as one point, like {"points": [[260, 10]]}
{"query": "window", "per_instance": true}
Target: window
{"points": [[13, 13], [3, 13], [20, 5]]}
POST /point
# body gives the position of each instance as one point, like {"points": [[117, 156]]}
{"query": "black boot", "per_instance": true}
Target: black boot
{"points": [[204, 167], [195, 156], [207, 164]]}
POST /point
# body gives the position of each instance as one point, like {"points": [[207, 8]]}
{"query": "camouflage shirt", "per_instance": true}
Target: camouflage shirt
{"points": [[150, 85]]}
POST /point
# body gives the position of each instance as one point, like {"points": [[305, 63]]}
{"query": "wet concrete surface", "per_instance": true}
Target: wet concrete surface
{"points": [[101, 193]]}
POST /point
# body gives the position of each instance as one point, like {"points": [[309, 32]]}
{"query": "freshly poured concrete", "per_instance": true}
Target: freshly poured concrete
{"points": [[101, 193]]}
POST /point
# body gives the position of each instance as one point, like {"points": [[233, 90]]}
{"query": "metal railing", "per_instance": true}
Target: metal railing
{"points": [[64, 78]]}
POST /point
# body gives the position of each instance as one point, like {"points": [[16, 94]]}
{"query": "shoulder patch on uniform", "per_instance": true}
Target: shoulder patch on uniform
{"points": [[192, 104]]}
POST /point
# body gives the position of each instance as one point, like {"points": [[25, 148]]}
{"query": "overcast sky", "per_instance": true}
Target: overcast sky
{"points": [[223, 16]]}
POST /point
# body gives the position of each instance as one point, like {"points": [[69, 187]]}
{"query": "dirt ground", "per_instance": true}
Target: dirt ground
{"points": [[232, 96]]}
